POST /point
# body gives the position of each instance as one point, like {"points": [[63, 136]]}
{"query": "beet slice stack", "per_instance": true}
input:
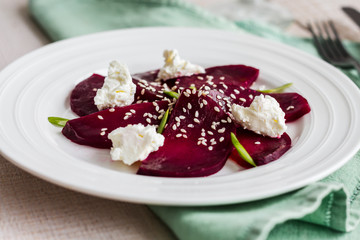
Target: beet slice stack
{"points": [[197, 139]]}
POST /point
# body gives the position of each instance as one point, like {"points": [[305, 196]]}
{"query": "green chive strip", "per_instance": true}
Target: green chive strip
{"points": [[163, 122], [276, 90], [241, 150], [172, 94], [58, 121]]}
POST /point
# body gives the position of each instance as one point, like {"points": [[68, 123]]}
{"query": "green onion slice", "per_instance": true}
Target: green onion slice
{"points": [[163, 122], [58, 121], [276, 90], [172, 94], [241, 150]]}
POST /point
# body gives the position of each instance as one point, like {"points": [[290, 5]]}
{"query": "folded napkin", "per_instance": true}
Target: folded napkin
{"points": [[323, 210]]}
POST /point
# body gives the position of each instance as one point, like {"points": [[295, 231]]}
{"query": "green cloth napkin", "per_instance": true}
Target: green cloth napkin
{"points": [[323, 210]]}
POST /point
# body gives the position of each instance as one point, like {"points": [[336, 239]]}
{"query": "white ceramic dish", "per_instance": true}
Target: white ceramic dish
{"points": [[38, 85]]}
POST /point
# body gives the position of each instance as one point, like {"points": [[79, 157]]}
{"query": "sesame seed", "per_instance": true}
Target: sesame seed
{"points": [[142, 91], [157, 108], [112, 110], [222, 78], [196, 120], [196, 114], [201, 105], [126, 117], [200, 78], [220, 90], [178, 124], [178, 135], [205, 102], [203, 134], [289, 108], [257, 142], [221, 139], [210, 148], [184, 136], [128, 114], [193, 91], [188, 91], [182, 117], [218, 97], [177, 119], [216, 109], [186, 94], [232, 96], [251, 96], [189, 106], [229, 120], [242, 88], [132, 110], [100, 117], [94, 89], [183, 130], [148, 120], [222, 130], [104, 129], [236, 91], [225, 86], [102, 133], [242, 99], [174, 127], [184, 110], [210, 132], [190, 125]]}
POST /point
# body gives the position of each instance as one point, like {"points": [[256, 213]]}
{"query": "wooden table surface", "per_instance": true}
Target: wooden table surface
{"points": [[31, 208]]}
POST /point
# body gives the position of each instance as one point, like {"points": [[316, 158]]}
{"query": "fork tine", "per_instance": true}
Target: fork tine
{"points": [[338, 43], [332, 48], [317, 42]]}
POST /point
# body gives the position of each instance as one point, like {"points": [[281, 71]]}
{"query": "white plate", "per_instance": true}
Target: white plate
{"points": [[38, 85]]}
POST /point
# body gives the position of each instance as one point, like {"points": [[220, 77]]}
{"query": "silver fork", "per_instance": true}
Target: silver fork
{"points": [[329, 46]]}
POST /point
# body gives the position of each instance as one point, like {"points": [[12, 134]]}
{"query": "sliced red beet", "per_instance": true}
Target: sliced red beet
{"points": [[92, 130], [82, 97], [262, 149], [214, 77], [197, 140], [293, 105]]}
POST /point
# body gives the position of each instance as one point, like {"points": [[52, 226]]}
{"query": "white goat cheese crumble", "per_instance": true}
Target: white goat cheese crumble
{"points": [[176, 67], [118, 89], [134, 143], [264, 116]]}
